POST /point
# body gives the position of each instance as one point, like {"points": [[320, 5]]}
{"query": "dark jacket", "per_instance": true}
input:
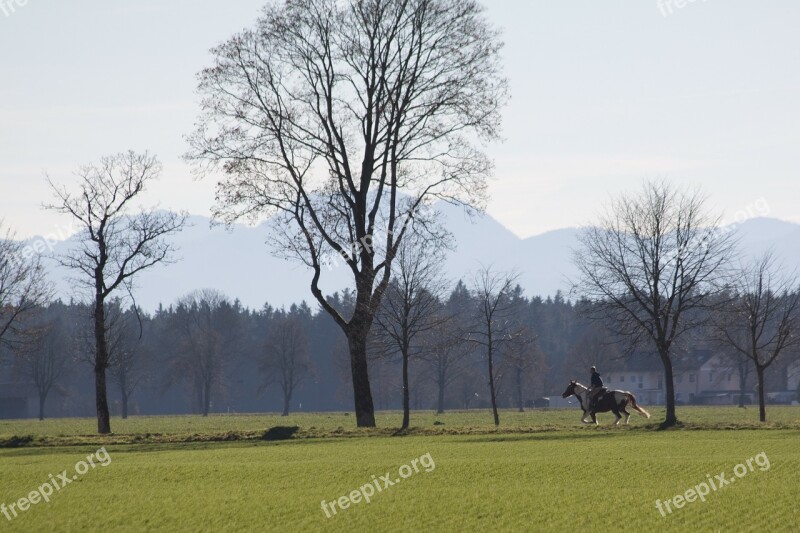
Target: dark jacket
{"points": [[597, 381]]}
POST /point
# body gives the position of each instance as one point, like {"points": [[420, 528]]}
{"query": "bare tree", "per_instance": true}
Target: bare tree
{"points": [[523, 361], [521, 357], [285, 361], [206, 329], [325, 111], [23, 286], [593, 347], [468, 384], [494, 326], [44, 356], [411, 303], [723, 320], [763, 318], [129, 364], [446, 355], [448, 345], [115, 244], [651, 265]]}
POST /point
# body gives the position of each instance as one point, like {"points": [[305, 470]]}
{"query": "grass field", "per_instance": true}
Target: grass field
{"points": [[540, 471]]}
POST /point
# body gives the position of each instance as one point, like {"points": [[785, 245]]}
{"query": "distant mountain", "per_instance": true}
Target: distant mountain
{"points": [[239, 263]]}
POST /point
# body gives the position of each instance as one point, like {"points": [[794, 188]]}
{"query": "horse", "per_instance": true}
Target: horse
{"points": [[609, 400]]}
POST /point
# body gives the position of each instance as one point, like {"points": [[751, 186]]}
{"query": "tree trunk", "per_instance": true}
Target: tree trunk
{"points": [[406, 408], [670, 419], [200, 398], [123, 387], [100, 365], [491, 386], [42, 399], [287, 399], [520, 405], [440, 399], [742, 383], [362, 394], [206, 398], [762, 408], [124, 405]]}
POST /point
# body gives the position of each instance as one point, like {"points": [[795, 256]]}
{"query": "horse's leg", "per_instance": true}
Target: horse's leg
{"points": [[622, 405], [585, 411], [616, 413]]}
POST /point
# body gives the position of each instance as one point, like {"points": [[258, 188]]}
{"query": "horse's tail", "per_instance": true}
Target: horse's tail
{"points": [[635, 406]]}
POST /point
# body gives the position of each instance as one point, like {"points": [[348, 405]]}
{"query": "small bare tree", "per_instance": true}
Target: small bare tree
{"points": [[115, 243], [411, 303], [206, 330], [650, 268], [721, 327], [285, 361], [345, 119], [449, 351], [446, 356], [763, 318], [494, 326], [129, 364], [592, 347], [23, 286], [45, 354], [523, 362]]}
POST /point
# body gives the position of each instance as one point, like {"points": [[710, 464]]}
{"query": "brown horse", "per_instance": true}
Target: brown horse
{"points": [[606, 400]]}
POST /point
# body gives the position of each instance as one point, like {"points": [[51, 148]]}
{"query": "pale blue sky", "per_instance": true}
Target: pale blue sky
{"points": [[604, 94]]}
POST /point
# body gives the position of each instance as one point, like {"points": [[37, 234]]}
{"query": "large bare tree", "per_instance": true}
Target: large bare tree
{"points": [[763, 318], [23, 285], [342, 120], [114, 243], [651, 267]]}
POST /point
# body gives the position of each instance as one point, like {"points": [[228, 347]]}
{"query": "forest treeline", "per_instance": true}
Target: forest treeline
{"points": [[206, 353]]}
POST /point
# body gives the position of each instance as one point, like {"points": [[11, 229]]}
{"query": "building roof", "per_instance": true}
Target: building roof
{"points": [[649, 361]]}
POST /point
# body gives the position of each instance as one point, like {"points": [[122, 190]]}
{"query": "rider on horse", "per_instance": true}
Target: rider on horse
{"points": [[596, 386]]}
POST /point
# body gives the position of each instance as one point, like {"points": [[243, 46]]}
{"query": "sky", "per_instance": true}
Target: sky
{"points": [[604, 94]]}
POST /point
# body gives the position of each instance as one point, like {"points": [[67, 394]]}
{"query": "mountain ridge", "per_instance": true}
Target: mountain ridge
{"points": [[238, 262]]}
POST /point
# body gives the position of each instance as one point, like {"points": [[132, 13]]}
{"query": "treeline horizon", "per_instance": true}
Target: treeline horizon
{"points": [[206, 353]]}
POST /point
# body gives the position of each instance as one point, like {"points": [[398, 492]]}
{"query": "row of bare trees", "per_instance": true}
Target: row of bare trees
{"points": [[658, 265], [207, 352], [415, 322], [344, 121]]}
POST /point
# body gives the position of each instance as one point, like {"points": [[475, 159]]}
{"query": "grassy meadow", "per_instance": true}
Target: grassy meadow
{"points": [[540, 471]]}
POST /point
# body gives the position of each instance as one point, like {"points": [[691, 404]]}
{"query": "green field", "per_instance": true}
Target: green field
{"points": [[540, 471]]}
